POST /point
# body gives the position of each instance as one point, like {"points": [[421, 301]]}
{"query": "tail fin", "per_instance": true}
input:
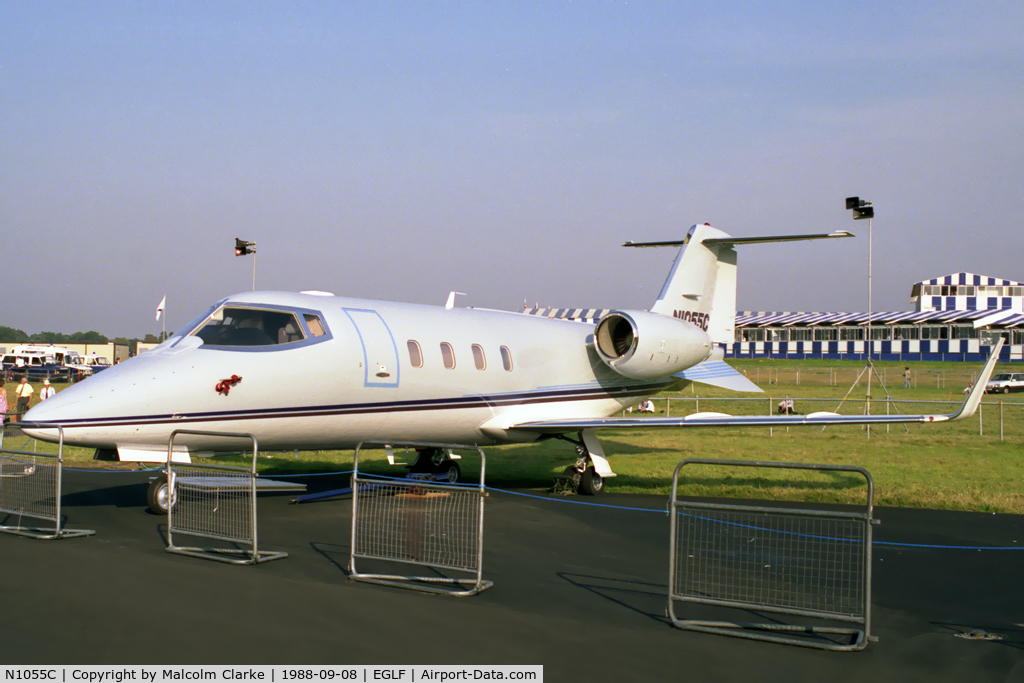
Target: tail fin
{"points": [[701, 287]]}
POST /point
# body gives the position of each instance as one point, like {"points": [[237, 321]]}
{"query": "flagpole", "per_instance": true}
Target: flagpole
{"points": [[161, 315]]}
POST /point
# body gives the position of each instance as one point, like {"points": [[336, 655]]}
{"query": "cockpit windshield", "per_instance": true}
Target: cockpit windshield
{"points": [[237, 326]]}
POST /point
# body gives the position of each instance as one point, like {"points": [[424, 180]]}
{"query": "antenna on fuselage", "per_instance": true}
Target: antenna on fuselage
{"points": [[451, 299]]}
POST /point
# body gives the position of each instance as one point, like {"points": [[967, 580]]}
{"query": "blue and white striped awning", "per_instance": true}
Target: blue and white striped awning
{"points": [[843, 318], [589, 315], [856, 319], [1015, 320]]}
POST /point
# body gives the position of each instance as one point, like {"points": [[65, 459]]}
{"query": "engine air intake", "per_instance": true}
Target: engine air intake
{"points": [[644, 345]]}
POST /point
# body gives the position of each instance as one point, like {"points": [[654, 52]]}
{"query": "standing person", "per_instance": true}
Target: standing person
{"points": [[906, 378], [47, 391], [3, 403], [24, 394]]}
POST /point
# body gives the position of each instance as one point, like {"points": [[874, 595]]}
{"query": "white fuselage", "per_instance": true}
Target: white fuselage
{"points": [[356, 382]]}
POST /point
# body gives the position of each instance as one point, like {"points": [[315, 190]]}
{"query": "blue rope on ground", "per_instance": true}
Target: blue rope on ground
{"points": [[951, 547], [599, 505], [160, 469], [148, 469], [309, 474], [577, 502]]}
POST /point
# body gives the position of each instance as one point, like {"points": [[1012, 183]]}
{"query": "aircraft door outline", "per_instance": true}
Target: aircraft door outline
{"points": [[380, 353]]}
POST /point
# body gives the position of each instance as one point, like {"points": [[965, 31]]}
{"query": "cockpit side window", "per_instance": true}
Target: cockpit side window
{"points": [[315, 325], [236, 326], [256, 327]]}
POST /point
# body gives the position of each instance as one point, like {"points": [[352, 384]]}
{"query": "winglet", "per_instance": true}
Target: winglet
{"points": [[978, 390]]}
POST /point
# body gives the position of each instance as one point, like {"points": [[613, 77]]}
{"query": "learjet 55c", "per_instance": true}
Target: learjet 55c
{"points": [[314, 371]]}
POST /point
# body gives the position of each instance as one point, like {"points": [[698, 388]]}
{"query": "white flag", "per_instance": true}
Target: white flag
{"points": [[160, 308]]}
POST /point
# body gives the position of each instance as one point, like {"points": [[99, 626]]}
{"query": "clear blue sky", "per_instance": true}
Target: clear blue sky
{"points": [[400, 150]]}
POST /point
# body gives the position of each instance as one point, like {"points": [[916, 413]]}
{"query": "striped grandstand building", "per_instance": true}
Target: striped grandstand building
{"points": [[957, 319], [967, 292], [898, 335]]}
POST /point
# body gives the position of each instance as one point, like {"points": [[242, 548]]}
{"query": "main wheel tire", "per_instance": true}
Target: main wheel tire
{"points": [[158, 495], [451, 471], [1006, 390], [591, 483]]}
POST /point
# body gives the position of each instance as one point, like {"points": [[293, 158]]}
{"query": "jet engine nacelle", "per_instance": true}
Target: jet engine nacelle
{"points": [[643, 345]]}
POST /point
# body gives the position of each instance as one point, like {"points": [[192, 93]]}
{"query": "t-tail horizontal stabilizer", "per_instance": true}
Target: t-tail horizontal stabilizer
{"points": [[701, 286], [719, 374], [970, 405]]}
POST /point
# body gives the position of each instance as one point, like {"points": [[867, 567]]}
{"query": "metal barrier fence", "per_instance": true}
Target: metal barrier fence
{"points": [[1001, 420], [416, 522], [785, 560], [215, 502], [30, 486]]}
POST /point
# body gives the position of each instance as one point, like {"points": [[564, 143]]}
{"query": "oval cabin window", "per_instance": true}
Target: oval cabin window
{"points": [[447, 355], [415, 354]]}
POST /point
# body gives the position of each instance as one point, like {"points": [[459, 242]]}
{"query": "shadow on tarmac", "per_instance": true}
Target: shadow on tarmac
{"points": [[578, 589]]}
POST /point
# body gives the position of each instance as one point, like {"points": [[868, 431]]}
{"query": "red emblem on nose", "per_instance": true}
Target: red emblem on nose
{"points": [[224, 386]]}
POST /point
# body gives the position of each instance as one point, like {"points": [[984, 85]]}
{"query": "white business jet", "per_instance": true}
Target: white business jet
{"points": [[315, 371]]}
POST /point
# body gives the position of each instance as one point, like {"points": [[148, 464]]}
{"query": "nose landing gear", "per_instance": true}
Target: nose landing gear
{"points": [[159, 496], [437, 462]]}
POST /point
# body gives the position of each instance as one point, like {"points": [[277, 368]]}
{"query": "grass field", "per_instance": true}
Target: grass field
{"points": [[977, 464]]}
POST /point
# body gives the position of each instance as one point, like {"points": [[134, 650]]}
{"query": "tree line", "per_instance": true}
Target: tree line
{"points": [[11, 334]]}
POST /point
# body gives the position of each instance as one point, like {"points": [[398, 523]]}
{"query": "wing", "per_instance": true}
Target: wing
{"points": [[720, 374], [970, 405]]}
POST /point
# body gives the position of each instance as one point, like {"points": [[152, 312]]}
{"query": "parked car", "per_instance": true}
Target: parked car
{"points": [[97, 363], [69, 358], [36, 366], [1005, 382]]}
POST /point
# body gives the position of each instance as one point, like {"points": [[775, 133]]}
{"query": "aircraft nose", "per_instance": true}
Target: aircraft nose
{"points": [[78, 407], [108, 407], [52, 411]]}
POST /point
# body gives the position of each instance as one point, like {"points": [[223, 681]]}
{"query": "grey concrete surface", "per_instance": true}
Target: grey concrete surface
{"points": [[578, 589]]}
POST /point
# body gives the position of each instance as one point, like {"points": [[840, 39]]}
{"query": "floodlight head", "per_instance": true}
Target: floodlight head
{"points": [[861, 208], [243, 248]]}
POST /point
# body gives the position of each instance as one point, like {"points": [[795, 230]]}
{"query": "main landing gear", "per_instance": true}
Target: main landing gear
{"points": [[437, 462], [591, 469], [588, 481]]}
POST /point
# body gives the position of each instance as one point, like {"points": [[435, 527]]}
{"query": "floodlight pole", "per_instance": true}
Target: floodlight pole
{"points": [[244, 248], [863, 209], [871, 341]]}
